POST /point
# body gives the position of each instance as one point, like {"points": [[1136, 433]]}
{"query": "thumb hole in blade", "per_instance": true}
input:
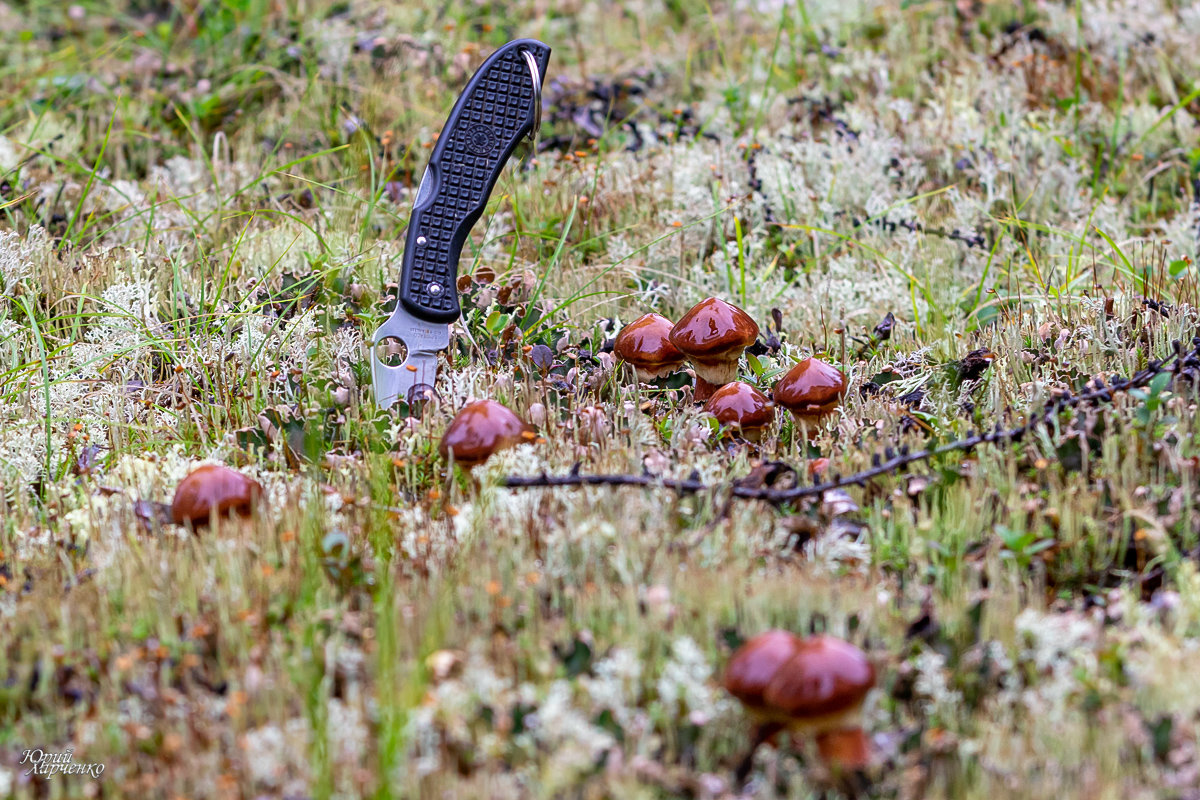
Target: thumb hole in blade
{"points": [[391, 351]]}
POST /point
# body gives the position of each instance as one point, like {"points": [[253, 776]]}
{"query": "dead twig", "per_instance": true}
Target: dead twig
{"points": [[892, 461]]}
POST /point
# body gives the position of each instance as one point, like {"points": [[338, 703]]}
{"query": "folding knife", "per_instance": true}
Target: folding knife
{"points": [[500, 106]]}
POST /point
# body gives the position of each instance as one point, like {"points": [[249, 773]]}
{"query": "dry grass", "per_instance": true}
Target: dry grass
{"points": [[202, 206]]}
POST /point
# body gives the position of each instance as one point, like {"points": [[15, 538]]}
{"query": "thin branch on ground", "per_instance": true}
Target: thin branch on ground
{"points": [[894, 461]]}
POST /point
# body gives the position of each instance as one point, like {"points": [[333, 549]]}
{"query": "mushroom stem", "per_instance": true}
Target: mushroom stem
{"points": [[844, 749], [810, 425], [801, 438], [704, 390], [763, 732]]}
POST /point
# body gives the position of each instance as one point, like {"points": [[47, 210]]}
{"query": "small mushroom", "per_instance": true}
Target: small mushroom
{"points": [[213, 489], [713, 335], [645, 343], [821, 691], [480, 429], [740, 406], [810, 390]]}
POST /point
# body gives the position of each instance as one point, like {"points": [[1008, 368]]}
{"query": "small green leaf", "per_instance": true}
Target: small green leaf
{"points": [[497, 322]]}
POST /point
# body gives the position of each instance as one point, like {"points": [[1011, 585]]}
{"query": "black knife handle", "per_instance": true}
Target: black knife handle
{"points": [[492, 115]]}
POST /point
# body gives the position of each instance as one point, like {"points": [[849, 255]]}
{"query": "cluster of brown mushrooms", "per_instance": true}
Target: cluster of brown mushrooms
{"points": [[712, 336], [807, 686], [804, 686]]}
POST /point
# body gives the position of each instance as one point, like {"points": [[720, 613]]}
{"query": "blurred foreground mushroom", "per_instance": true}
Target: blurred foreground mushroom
{"points": [[743, 408], [810, 390], [646, 344], [213, 489], [813, 685], [713, 335], [480, 429], [821, 691]]}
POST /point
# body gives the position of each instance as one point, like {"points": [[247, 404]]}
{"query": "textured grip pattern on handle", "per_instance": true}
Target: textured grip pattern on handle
{"points": [[492, 116]]}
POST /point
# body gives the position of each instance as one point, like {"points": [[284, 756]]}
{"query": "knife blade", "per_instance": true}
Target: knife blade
{"points": [[500, 105]]}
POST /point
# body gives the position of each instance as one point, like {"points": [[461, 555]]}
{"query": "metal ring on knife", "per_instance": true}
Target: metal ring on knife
{"points": [[536, 75]]}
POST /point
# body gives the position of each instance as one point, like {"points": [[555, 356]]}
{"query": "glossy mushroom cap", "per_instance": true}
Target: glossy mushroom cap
{"points": [[823, 685], [812, 388], [741, 406], [755, 664], [646, 344], [480, 429], [213, 488], [713, 335]]}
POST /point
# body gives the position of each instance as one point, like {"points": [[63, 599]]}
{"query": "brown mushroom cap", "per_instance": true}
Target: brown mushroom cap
{"points": [[713, 335], [740, 405], [480, 429], [755, 664], [213, 488], [645, 343], [825, 681], [811, 388]]}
